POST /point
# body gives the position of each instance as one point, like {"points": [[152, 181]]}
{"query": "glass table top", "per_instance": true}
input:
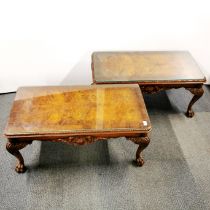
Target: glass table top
{"points": [[73, 109], [109, 67]]}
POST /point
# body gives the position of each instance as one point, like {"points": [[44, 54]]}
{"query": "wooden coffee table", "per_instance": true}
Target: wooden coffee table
{"points": [[152, 71], [77, 115]]}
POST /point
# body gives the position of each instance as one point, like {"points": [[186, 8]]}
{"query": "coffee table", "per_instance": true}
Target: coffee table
{"points": [[77, 115], [152, 71]]}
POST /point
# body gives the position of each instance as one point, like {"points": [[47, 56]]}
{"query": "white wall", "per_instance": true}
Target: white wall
{"points": [[46, 42]]}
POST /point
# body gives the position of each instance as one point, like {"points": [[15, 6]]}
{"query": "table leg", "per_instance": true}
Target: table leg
{"points": [[197, 92], [143, 142], [13, 148]]}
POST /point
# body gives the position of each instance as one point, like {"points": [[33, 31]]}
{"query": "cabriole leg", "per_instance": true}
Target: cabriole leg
{"points": [[197, 92], [143, 142], [13, 148]]}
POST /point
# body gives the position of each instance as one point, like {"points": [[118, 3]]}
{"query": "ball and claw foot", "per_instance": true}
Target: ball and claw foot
{"points": [[139, 162], [20, 168], [190, 113]]}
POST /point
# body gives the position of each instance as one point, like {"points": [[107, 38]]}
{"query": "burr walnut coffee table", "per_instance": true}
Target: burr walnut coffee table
{"points": [[152, 71], [77, 115]]}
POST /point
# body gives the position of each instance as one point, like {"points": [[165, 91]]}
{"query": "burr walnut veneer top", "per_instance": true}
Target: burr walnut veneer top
{"points": [[77, 110], [145, 67]]}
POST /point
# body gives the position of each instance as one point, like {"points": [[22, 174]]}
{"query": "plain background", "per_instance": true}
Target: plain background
{"points": [[46, 42]]}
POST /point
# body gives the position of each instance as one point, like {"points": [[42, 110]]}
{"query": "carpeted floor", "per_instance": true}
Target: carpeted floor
{"points": [[176, 174]]}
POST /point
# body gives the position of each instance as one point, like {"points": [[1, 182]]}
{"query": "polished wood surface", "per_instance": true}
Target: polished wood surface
{"points": [[77, 115], [152, 71], [145, 67], [77, 110]]}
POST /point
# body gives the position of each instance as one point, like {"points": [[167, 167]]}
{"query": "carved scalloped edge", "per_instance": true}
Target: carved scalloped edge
{"points": [[79, 140], [156, 88], [139, 140], [13, 146], [196, 91]]}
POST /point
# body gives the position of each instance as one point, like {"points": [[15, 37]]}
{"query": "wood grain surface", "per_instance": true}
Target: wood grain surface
{"points": [[145, 67], [77, 110]]}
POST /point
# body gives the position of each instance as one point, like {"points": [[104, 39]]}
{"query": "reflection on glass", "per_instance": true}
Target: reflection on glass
{"points": [[144, 66], [76, 109]]}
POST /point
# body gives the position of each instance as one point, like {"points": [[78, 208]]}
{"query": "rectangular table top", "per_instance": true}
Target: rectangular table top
{"points": [[77, 110], [145, 67]]}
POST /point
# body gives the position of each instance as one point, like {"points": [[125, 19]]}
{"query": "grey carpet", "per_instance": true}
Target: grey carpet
{"points": [[176, 174]]}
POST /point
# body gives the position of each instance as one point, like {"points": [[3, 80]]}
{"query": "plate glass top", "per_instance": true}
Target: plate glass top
{"points": [[46, 110], [145, 66]]}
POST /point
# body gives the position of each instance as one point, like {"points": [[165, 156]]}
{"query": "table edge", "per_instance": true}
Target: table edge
{"points": [[91, 133], [152, 82]]}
